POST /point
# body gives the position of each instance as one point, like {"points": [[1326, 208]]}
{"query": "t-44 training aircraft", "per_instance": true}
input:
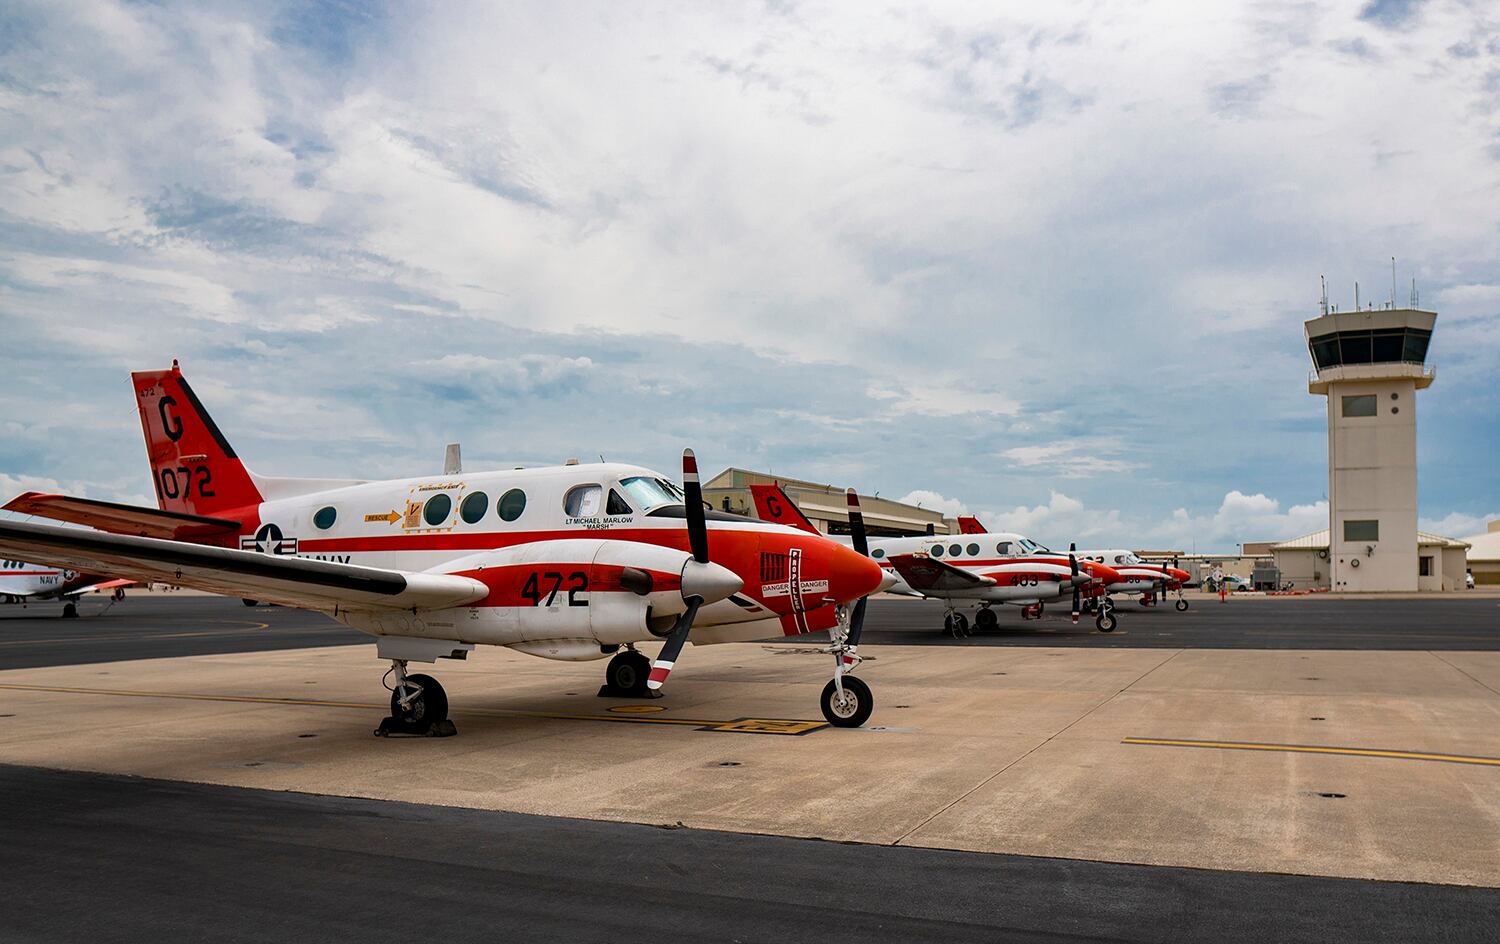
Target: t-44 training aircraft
{"points": [[964, 568], [21, 581], [570, 562]]}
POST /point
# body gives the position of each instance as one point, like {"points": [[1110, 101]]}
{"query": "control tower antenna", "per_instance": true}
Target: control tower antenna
{"points": [[1323, 299], [1413, 292], [1356, 296], [1393, 282]]}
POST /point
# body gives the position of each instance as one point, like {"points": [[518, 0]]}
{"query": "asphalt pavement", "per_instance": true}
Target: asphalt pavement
{"points": [[96, 857], [151, 626]]}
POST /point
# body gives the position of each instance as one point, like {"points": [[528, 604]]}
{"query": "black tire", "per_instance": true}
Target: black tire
{"points": [[70, 611], [986, 619], [856, 709], [1182, 605], [1105, 622], [249, 602], [628, 672], [429, 707]]}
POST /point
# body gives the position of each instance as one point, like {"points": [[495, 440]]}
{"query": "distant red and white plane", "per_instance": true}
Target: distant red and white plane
{"points": [[570, 562], [21, 581], [972, 568]]}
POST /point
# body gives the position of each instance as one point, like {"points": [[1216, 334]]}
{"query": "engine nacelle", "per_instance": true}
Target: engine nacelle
{"points": [[583, 588]]}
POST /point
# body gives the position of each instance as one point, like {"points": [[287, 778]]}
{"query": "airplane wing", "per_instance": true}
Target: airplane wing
{"points": [[924, 572], [293, 581], [771, 504], [118, 518]]}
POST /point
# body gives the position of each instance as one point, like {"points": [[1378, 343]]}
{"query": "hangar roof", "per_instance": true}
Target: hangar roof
{"points": [[1486, 547]]}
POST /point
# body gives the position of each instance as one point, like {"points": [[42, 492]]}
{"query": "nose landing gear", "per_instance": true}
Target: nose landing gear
{"points": [[1105, 620], [846, 701]]}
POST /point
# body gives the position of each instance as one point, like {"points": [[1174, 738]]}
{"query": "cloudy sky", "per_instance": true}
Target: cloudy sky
{"points": [[1049, 266]]}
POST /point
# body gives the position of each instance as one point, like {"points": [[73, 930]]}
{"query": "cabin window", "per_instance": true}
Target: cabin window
{"points": [[936, 550], [512, 503], [473, 507], [878, 552], [973, 550], [583, 501], [324, 517], [617, 505], [955, 550], [1003, 548], [437, 509]]}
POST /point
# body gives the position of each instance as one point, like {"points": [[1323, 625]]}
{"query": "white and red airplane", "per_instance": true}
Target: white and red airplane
{"points": [[959, 569], [570, 562], [21, 581], [1151, 581]]}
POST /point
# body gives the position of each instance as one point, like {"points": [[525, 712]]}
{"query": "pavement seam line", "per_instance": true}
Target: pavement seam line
{"points": [[1048, 740], [1460, 671]]}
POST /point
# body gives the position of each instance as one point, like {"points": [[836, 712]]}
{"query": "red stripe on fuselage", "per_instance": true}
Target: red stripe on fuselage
{"points": [[507, 583]]}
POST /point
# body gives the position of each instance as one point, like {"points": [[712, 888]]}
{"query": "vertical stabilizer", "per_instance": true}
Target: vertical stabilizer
{"points": [[193, 467]]}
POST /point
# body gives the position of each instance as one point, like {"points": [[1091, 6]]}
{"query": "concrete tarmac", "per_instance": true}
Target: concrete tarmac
{"points": [[102, 858]]}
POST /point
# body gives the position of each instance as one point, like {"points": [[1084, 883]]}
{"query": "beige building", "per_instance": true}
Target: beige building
{"points": [[824, 505], [1484, 555], [1370, 365], [1304, 562]]}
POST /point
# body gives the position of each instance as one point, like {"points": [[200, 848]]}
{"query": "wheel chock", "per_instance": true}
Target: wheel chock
{"points": [[397, 727]]}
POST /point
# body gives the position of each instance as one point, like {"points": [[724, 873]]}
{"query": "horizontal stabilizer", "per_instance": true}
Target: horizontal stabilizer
{"points": [[924, 572], [118, 518], [293, 581]]}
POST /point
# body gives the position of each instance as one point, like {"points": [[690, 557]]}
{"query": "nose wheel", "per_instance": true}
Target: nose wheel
{"points": [[1181, 604], [1105, 620], [849, 707]]}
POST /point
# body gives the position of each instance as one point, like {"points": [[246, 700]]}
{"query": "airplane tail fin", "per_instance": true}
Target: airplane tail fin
{"points": [[969, 524], [193, 467], [773, 505]]}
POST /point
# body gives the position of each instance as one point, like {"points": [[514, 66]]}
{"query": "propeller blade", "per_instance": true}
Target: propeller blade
{"points": [[1073, 558], [662, 666], [857, 524], [696, 524], [861, 546]]}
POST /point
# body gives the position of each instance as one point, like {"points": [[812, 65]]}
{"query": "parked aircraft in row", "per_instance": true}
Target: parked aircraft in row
{"points": [[571, 562], [973, 567]]}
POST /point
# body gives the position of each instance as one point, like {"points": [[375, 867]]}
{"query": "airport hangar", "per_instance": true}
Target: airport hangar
{"points": [[825, 506], [1484, 555]]}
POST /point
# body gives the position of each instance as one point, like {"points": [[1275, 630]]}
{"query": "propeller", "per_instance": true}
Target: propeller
{"points": [[697, 527], [1073, 565], [861, 547]]}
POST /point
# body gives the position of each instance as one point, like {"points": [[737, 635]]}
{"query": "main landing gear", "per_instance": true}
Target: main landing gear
{"points": [[985, 618], [419, 706], [70, 610], [955, 624], [847, 701], [626, 675]]}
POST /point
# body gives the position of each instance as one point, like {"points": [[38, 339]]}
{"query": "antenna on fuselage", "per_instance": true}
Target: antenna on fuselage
{"points": [[453, 463]]}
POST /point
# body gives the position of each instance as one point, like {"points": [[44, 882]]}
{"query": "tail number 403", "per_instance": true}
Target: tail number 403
{"points": [[543, 588]]}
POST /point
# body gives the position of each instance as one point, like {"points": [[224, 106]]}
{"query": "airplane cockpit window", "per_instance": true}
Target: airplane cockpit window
{"points": [[1119, 558], [616, 505], [648, 492], [582, 501], [1029, 546]]}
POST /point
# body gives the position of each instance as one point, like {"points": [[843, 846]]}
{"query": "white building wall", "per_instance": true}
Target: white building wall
{"points": [[1372, 475]]}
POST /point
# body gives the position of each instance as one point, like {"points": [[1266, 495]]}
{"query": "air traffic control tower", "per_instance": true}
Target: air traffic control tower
{"points": [[1370, 365]]}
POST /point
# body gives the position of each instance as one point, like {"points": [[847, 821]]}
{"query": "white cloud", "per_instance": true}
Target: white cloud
{"points": [[950, 507], [1070, 459]]}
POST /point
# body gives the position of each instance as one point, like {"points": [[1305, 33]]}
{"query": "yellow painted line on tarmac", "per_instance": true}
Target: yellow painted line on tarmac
{"points": [[114, 637], [782, 726], [1312, 749]]}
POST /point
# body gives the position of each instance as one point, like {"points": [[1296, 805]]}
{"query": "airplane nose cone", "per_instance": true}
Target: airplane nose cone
{"points": [[851, 575], [1181, 576], [710, 581], [1102, 572]]}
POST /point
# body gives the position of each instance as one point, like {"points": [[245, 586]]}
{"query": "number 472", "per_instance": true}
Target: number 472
{"points": [[542, 589]]}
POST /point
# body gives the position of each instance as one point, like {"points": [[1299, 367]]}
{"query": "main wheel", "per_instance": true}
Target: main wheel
{"points": [[1105, 622], [627, 672], [429, 707], [1181, 605], [986, 619], [249, 602], [855, 707], [70, 611]]}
